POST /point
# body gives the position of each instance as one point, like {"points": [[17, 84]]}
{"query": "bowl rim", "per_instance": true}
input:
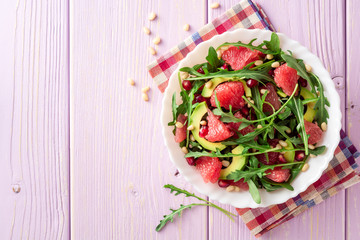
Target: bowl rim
{"points": [[220, 194]]}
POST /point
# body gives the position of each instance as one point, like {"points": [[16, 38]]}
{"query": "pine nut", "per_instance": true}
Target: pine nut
{"points": [[156, 40], [184, 75], [192, 138], [203, 123], [190, 146], [263, 91], [324, 126], [311, 146], [312, 155], [259, 126], [184, 150], [252, 101], [269, 56], [308, 68], [278, 146], [145, 89], [214, 5], [275, 64], [145, 97], [191, 127], [186, 27], [230, 188], [152, 16], [258, 62], [237, 189], [131, 81], [288, 131], [208, 84], [305, 167], [225, 163], [146, 30], [152, 50], [283, 143], [179, 125]]}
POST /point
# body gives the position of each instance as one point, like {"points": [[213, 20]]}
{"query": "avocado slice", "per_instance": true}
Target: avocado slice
{"points": [[238, 163], [289, 156], [195, 119], [207, 92], [310, 112]]}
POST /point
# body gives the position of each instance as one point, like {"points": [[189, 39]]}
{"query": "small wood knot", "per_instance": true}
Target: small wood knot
{"points": [[176, 173], [352, 106], [16, 188]]}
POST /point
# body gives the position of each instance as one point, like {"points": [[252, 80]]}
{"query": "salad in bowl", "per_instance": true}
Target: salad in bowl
{"points": [[248, 120]]}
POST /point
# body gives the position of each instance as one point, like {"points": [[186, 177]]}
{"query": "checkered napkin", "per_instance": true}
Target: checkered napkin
{"points": [[340, 173]]}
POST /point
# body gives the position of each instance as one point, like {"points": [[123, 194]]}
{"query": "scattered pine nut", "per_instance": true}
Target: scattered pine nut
{"points": [[258, 62], [145, 89], [324, 126], [190, 146], [157, 40], [278, 146], [252, 101], [283, 143], [191, 127], [311, 146], [230, 188], [131, 81], [184, 75], [312, 155], [146, 30], [225, 163], [152, 50], [152, 16], [208, 84], [269, 56], [186, 27], [275, 64], [237, 189], [184, 150], [305, 167], [179, 125], [263, 91], [192, 138], [259, 126], [145, 97], [308, 68], [288, 130], [214, 5], [203, 123]]}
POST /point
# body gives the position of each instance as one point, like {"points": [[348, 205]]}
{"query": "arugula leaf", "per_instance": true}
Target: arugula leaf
{"points": [[174, 110], [321, 114], [274, 43], [317, 151], [254, 191], [285, 114], [297, 108], [212, 58], [271, 185]]}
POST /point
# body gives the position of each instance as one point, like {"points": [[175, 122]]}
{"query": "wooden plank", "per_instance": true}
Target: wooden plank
{"points": [[119, 161], [34, 121], [353, 111], [318, 25]]}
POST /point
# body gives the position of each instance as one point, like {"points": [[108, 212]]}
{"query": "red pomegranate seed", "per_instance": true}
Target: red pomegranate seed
{"points": [[303, 82], [200, 70], [244, 111], [223, 183], [271, 72], [225, 67], [198, 99], [187, 85], [282, 158], [299, 155], [251, 83], [203, 131], [190, 161]]}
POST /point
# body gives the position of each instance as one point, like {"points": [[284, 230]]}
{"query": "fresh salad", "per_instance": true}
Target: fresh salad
{"points": [[250, 116]]}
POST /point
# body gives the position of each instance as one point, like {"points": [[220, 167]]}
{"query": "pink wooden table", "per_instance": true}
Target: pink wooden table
{"points": [[82, 154]]}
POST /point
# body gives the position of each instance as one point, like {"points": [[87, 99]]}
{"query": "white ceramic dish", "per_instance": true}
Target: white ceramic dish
{"points": [[331, 137]]}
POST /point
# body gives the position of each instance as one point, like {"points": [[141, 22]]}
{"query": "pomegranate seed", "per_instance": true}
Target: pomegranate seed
{"points": [[271, 72], [282, 158], [190, 161], [198, 99], [244, 111], [299, 155], [303, 82], [251, 83], [225, 67], [203, 131], [200, 70], [187, 85], [223, 183]]}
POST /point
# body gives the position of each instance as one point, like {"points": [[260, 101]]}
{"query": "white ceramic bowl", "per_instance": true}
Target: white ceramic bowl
{"points": [[304, 179]]}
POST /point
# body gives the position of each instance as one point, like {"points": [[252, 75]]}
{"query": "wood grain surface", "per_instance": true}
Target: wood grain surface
{"points": [[75, 133]]}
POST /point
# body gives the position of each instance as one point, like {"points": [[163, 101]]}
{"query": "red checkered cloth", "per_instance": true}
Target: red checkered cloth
{"points": [[340, 173]]}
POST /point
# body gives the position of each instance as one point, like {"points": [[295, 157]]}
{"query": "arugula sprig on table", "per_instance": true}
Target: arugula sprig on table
{"points": [[178, 211]]}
